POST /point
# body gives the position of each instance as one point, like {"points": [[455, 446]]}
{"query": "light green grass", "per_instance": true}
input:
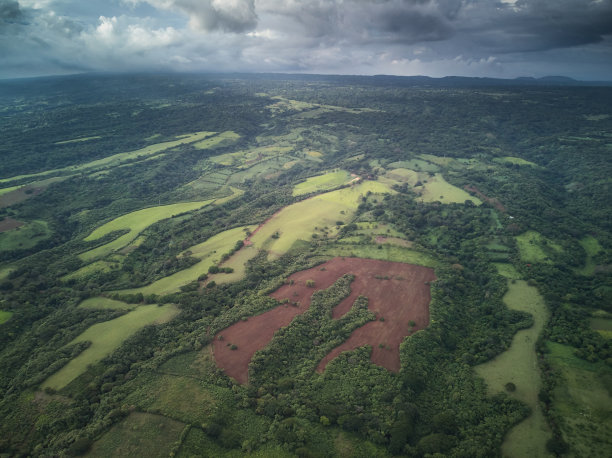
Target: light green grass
{"points": [[140, 434], [515, 161], [582, 404], [592, 248], [507, 270], [222, 139], [10, 189], [323, 182], [78, 140], [104, 303], [5, 272], [24, 237], [209, 253], [519, 365], [301, 220], [387, 252], [136, 222], [116, 159], [431, 188], [89, 269], [237, 262], [373, 228], [5, 316], [534, 247], [415, 164], [106, 337]]}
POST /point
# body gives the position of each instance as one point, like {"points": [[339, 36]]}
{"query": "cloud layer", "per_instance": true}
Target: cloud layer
{"points": [[503, 38]]}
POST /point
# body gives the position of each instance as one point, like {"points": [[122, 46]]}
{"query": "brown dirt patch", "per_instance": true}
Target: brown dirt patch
{"points": [[492, 200], [8, 224], [396, 291], [19, 195]]}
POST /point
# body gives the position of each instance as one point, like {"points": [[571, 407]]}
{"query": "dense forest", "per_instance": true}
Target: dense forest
{"points": [[137, 226]]}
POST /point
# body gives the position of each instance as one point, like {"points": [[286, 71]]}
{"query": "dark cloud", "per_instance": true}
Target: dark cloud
{"points": [[9, 10]]}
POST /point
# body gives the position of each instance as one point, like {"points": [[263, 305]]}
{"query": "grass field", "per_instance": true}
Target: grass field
{"points": [[519, 365], [323, 182], [431, 188], [5, 316], [117, 159], [386, 252], [507, 270], [78, 140], [24, 237], [106, 337], [136, 222], [418, 165], [583, 404], [140, 434], [96, 266], [198, 444], [592, 247], [5, 271], [303, 219], [222, 139], [237, 262], [104, 303], [515, 161], [209, 252], [534, 247]]}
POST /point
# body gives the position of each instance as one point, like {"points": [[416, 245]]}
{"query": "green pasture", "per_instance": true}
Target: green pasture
{"points": [[312, 216], [323, 182], [261, 169], [5, 272], [431, 188], [104, 303], [199, 444], [418, 165], [237, 262], [209, 253], [139, 434], [507, 270], [5, 316], [534, 247], [117, 159], [106, 337], [78, 140], [582, 403], [592, 247], [386, 252], [519, 365], [89, 269], [136, 222], [515, 161], [223, 139], [10, 189], [24, 237], [374, 228]]}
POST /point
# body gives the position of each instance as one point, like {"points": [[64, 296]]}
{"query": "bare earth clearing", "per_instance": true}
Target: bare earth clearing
{"points": [[9, 223], [397, 292]]}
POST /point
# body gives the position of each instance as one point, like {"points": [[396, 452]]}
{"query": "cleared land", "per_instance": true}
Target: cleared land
{"points": [[534, 247], [224, 138], [106, 337], [89, 269], [515, 161], [402, 297], [104, 303], [209, 253], [323, 182], [8, 224], [25, 236], [140, 434], [431, 187], [592, 247], [317, 215], [386, 252], [135, 222], [582, 402], [519, 365], [5, 316]]}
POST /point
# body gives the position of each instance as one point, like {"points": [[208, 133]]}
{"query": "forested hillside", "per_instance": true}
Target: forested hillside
{"points": [[273, 265]]}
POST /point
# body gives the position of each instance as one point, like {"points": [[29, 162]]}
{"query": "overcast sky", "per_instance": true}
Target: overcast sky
{"points": [[499, 38]]}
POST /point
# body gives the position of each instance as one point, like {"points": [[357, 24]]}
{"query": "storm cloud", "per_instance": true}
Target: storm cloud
{"points": [[504, 38]]}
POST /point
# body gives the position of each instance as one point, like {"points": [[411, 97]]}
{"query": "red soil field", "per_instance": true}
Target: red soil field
{"points": [[9, 223], [399, 298]]}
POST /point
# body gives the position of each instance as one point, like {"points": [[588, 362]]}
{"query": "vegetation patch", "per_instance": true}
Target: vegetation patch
{"points": [[534, 247], [5, 316], [592, 248], [24, 237], [317, 215], [507, 270], [8, 224], [91, 269], [515, 161], [323, 182], [582, 402], [418, 165], [135, 222], [140, 434], [78, 140], [223, 139], [104, 303], [518, 366], [386, 252], [106, 337], [210, 254], [403, 296]]}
